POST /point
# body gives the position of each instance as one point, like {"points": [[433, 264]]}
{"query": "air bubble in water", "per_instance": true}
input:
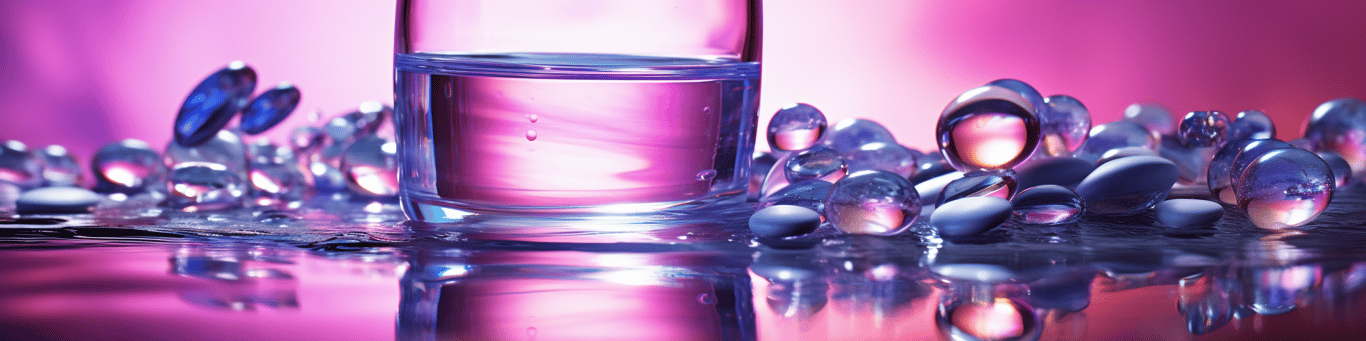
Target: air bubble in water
{"points": [[530, 135], [706, 175]]}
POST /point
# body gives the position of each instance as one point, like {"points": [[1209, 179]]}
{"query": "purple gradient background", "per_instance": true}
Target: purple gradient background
{"points": [[83, 73]]}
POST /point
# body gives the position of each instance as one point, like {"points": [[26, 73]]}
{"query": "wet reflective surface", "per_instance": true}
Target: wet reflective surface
{"points": [[353, 270]]}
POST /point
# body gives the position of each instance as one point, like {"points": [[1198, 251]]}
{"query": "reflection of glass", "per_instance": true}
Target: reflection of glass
{"points": [[556, 295], [574, 106]]}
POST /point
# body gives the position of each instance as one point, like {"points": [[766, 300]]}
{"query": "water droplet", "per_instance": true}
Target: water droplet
{"points": [[225, 148], [1204, 128], [889, 157], [987, 128], [1342, 172], [996, 319], [809, 193], [1064, 126], [705, 298], [129, 167], [795, 127], [364, 121], [819, 162], [873, 202], [1115, 135], [213, 103], [1251, 124], [1285, 188], [530, 135], [60, 167], [19, 166], [1000, 184], [1046, 205], [1339, 126], [1151, 116], [849, 134], [204, 186], [370, 166], [532, 117], [706, 175], [326, 178], [269, 108]]}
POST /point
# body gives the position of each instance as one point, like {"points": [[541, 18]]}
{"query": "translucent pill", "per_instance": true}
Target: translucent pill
{"points": [[19, 166], [204, 186], [819, 162], [371, 167], [364, 121], [1249, 154], [268, 109], [1251, 124], [1047, 205], [872, 202], [795, 127], [1204, 128], [1342, 172], [1285, 188], [1115, 135], [1339, 126], [809, 193], [213, 103], [60, 168], [225, 148], [1219, 174], [884, 156], [987, 128], [850, 134], [1036, 100], [1064, 126], [1000, 184], [129, 167], [1152, 116]]}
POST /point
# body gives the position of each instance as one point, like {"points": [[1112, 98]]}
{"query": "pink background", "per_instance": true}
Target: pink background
{"points": [[83, 73]]}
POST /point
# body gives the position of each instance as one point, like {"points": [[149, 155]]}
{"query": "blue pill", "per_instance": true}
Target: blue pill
{"points": [[1061, 171], [56, 200], [969, 216], [269, 108], [213, 103], [781, 221], [1128, 185], [1188, 213]]}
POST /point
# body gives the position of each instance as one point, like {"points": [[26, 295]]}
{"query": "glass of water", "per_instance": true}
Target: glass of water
{"points": [[574, 106]]}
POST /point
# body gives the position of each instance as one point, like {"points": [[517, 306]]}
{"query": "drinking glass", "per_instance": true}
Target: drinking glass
{"points": [[532, 107]]}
